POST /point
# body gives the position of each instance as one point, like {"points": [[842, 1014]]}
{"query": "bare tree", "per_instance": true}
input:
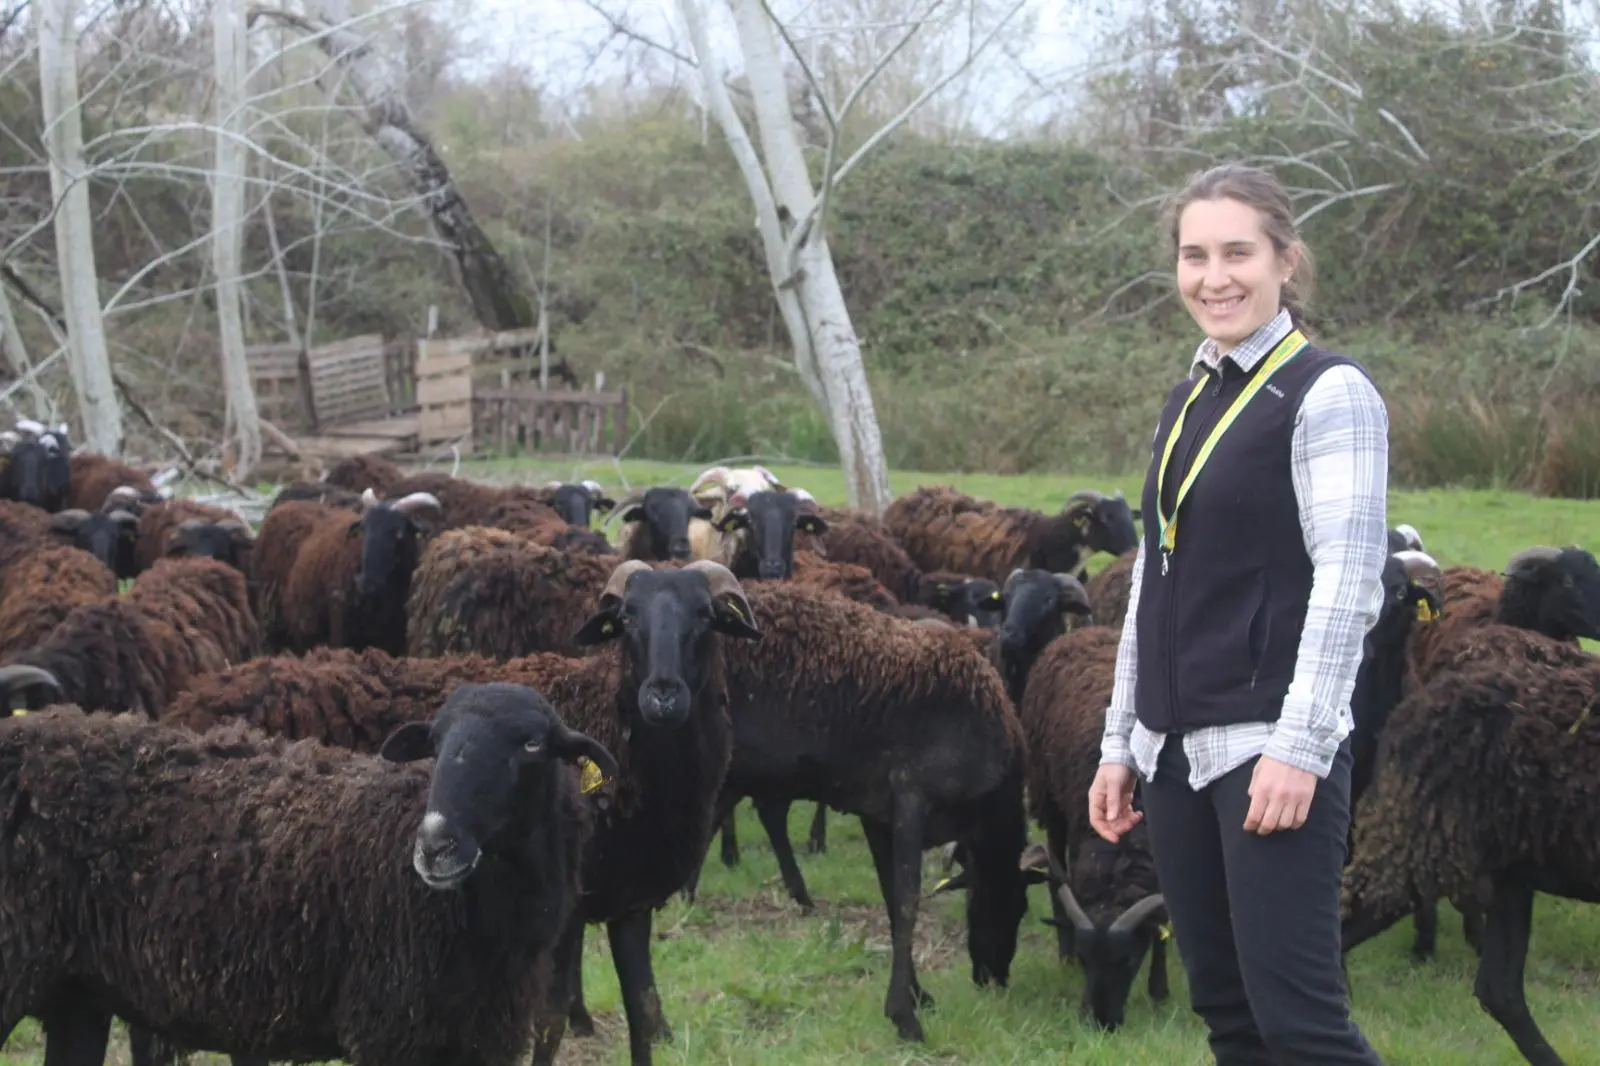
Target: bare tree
{"points": [[74, 225], [227, 234], [791, 214]]}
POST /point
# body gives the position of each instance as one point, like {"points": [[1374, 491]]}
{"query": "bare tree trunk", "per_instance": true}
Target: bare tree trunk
{"points": [[74, 226], [496, 300], [227, 236], [14, 354], [827, 350]]}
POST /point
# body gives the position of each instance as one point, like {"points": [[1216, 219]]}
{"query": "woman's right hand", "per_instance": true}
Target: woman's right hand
{"points": [[1111, 801]]}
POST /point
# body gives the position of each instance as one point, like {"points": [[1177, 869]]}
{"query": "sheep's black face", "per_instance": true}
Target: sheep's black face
{"points": [[1554, 591], [1108, 939], [1110, 961], [973, 601], [38, 472], [226, 542], [1111, 526], [666, 511], [111, 538], [1577, 607], [388, 552], [666, 619], [1035, 605], [496, 747], [770, 520], [574, 503]]}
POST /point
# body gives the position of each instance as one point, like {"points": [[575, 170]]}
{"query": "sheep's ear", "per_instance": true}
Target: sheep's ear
{"points": [[1427, 604], [732, 617], [814, 524], [1137, 514], [941, 595], [353, 532], [604, 504], [605, 624], [410, 742], [701, 511], [633, 514], [731, 521]]}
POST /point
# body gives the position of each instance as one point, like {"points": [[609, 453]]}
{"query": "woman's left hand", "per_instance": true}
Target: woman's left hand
{"points": [[1280, 797]]}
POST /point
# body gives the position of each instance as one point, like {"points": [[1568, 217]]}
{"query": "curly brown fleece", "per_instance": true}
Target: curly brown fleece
{"points": [[182, 618], [942, 529], [1109, 590], [92, 477], [491, 592], [464, 502], [848, 580], [862, 542], [256, 896], [44, 588], [277, 546], [1471, 597], [357, 473], [24, 528], [1487, 771], [159, 522]]}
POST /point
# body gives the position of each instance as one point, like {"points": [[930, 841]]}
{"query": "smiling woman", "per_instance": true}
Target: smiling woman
{"points": [[1239, 652]]}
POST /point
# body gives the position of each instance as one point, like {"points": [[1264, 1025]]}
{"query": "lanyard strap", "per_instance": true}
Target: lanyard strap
{"points": [[1286, 350]]}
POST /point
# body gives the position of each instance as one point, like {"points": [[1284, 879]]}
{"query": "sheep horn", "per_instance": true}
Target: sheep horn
{"points": [[1413, 538], [13, 678], [1129, 919], [632, 498], [30, 427], [123, 518], [716, 475], [1082, 500], [1421, 569], [417, 501], [724, 584], [1069, 903], [1530, 560], [619, 579], [803, 496], [369, 499], [122, 492], [594, 487], [68, 520]]}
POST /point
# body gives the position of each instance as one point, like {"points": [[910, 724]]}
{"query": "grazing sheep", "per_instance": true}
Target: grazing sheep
{"points": [[44, 588], [488, 592], [351, 575], [181, 619], [112, 538], [1110, 588], [358, 473], [1111, 918], [37, 468], [179, 527], [1485, 793], [94, 478], [942, 529], [907, 727], [281, 923], [656, 524]]}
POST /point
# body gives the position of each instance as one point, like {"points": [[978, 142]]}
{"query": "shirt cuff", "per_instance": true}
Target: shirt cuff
{"points": [[1309, 750], [1116, 750]]}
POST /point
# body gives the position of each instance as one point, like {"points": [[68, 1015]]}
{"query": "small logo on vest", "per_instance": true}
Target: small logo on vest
{"points": [[1270, 387]]}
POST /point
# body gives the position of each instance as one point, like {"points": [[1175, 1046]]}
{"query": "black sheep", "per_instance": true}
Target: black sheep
{"points": [[38, 469], [281, 924], [656, 523]]}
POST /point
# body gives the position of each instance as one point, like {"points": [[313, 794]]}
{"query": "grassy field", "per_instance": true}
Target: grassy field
{"points": [[745, 979]]}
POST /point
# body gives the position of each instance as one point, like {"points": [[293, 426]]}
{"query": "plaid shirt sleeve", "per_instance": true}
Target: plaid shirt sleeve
{"points": [[1340, 464], [1114, 746]]}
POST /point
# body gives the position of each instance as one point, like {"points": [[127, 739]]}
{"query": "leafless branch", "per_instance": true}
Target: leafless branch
{"points": [[1570, 266], [622, 29]]}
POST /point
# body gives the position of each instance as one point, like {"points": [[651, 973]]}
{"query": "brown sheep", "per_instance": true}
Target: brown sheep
{"points": [[463, 502], [277, 545], [318, 492], [92, 477], [942, 529], [24, 528], [45, 588], [1469, 600], [358, 473], [1109, 590], [174, 527], [489, 592], [1111, 923], [181, 619], [855, 538], [848, 580]]}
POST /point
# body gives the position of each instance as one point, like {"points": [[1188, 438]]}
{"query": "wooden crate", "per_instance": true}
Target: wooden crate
{"points": [[282, 383], [444, 395], [349, 379], [524, 418]]}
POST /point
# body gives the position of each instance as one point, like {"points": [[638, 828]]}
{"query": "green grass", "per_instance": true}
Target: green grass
{"points": [[745, 979]]}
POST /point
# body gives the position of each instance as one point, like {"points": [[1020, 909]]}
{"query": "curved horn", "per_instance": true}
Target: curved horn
{"points": [[1129, 919], [803, 496], [619, 578], [632, 498], [1421, 568], [1069, 903], [1082, 500], [30, 427], [716, 475], [369, 499], [417, 501], [1530, 561], [123, 518], [122, 492], [723, 583], [1413, 538], [13, 678], [68, 520], [594, 487]]}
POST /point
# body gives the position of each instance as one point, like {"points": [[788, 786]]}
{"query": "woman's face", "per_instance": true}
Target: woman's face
{"points": [[1230, 275]]}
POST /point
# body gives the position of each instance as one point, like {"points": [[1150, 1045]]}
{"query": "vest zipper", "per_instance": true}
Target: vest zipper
{"points": [[1172, 590]]}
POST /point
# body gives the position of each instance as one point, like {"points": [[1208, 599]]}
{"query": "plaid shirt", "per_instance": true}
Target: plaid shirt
{"points": [[1340, 464]]}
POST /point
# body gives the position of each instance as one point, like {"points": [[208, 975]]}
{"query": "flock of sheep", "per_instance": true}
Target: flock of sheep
{"points": [[220, 776]]}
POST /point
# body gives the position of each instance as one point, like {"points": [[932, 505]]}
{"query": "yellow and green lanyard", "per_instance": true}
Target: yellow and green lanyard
{"points": [[1286, 350]]}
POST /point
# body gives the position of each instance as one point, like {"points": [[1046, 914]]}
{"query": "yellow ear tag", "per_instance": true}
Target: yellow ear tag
{"points": [[589, 776], [1166, 930], [941, 884], [606, 629], [1082, 522], [18, 713], [1425, 613], [733, 605]]}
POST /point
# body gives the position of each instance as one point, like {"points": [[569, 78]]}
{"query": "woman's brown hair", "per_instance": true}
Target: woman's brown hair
{"points": [[1259, 189]]}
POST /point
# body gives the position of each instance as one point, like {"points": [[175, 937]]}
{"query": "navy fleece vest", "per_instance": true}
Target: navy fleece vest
{"points": [[1219, 633]]}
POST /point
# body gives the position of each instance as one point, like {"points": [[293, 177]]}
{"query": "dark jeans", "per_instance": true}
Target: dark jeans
{"points": [[1257, 918]]}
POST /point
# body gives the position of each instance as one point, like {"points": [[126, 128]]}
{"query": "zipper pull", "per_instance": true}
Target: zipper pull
{"points": [[1165, 555]]}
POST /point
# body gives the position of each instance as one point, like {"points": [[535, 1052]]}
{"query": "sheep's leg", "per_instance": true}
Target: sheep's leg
{"points": [[579, 1022], [1508, 922], [881, 844], [1472, 926], [902, 881], [630, 953], [818, 844], [774, 815], [1425, 921], [730, 841], [76, 1032], [1157, 986], [726, 802], [147, 1049], [563, 998]]}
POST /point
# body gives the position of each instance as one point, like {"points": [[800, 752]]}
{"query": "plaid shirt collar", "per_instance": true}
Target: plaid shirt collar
{"points": [[1248, 352]]}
